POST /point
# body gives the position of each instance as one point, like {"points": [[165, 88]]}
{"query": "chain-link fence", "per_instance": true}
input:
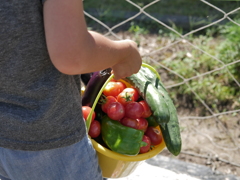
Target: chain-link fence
{"points": [[192, 62]]}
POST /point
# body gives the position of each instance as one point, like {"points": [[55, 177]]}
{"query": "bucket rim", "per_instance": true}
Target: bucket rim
{"points": [[140, 157]]}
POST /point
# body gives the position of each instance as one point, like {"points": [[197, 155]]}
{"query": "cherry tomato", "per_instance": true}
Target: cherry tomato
{"points": [[133, 91], [154, 134], [146, 109], [113, 88], [115, 111], [133, 110], [113, 80], [125, 97], [133, 123], [142, 124], [106, 101], [95, 129], [125, 82], [86, 110], [146, 148]]}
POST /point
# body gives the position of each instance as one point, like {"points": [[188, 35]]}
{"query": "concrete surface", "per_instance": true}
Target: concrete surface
{"points": [[164, 168]]}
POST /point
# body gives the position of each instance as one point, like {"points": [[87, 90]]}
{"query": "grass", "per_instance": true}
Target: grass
{"points": [[179, 7], [218, 89], [192, 12]]}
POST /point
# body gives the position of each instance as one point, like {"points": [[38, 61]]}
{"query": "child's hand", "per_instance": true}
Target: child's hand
{"points": [[130, 64]]}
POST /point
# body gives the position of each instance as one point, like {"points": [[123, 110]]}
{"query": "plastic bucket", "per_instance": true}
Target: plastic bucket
{"points": [[115, 165]]}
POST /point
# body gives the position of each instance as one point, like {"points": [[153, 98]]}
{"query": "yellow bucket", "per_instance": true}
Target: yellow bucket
{"points": [[115, 165]]}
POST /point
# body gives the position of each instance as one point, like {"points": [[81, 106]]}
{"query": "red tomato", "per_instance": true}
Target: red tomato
{"points": [[106, 101], [115, 111], [86, 110], [154, 134], [146, 109], [133, 110], [113, 80], [133, 91], [95, 129], [113, 88], [125, 97], [142, 124], [146, 148], [133, 123]]}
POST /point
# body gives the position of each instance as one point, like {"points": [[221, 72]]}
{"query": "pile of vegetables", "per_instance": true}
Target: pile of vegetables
{"points": [[132, 115]]}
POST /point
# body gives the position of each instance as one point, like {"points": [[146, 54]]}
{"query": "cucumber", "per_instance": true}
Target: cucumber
{"points": [[150, 94], [171, 132]]}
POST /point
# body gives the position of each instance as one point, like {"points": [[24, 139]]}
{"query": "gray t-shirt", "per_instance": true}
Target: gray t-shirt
{"points": [[40, 108]]}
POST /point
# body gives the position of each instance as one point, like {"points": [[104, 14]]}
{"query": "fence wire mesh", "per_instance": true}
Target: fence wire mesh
{"points": [[212, 136]]}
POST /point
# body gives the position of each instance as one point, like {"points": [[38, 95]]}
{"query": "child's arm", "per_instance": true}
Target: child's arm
{"points": [[75, 50]]}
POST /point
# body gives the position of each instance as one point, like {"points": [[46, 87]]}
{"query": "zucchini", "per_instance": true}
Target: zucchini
{"points": [[171, 132], [152, 121], [150, 94]]}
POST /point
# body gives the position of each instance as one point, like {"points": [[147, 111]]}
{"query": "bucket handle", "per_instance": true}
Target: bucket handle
{"points": [[88, 121]]}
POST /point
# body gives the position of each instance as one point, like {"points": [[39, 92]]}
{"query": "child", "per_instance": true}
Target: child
{"points": [[44, 48]]}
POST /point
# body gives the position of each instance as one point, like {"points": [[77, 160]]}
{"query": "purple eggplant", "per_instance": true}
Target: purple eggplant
{"points": [[86, 77], [94, 85]]}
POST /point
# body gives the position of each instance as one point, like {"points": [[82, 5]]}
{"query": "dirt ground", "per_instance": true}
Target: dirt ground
{"points": [[213, 142], [208, 143]]}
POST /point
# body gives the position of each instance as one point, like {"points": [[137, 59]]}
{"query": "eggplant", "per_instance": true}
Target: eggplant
{"points": [[94, 85], [86, 78]]}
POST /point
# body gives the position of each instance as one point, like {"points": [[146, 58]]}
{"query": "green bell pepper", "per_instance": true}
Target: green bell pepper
{"points": [[121, 139]]}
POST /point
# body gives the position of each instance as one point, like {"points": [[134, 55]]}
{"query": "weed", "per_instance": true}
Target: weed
{"points": [[218, 89], [137, 31]]}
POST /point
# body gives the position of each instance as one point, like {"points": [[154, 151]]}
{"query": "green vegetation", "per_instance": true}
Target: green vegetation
{"points": [[191, 13], [179, 7], [219, 89], [137, 31]]}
